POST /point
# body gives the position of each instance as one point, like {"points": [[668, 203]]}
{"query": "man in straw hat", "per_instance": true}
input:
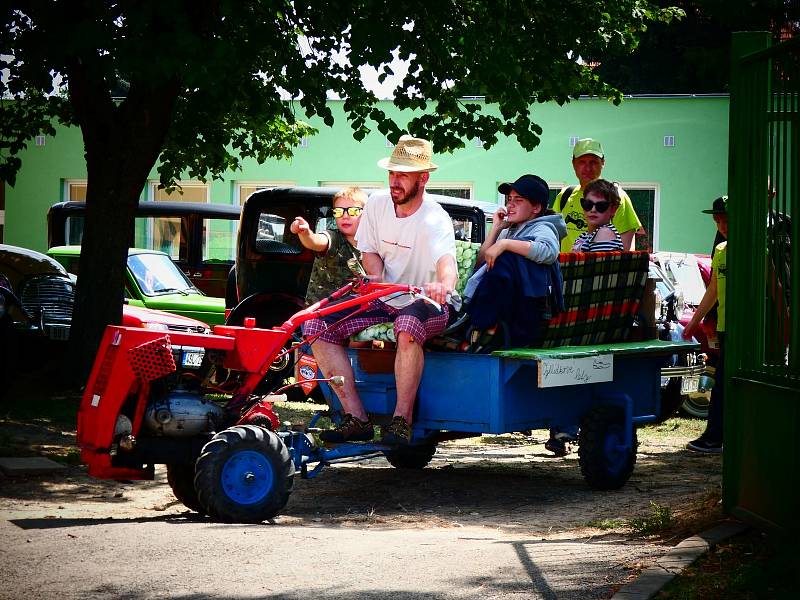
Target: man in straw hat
{"points": [[403, 238], [588, 160]]}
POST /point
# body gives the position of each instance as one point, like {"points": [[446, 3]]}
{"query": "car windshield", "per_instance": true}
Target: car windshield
{"points": [[157, 274]]}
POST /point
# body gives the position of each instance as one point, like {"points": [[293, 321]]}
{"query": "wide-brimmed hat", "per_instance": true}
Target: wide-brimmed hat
{"points": [[718, 207], [587, 146], [411, 155], [530, 187]]}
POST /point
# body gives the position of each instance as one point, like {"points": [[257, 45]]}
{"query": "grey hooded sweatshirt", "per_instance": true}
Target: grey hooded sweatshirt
{"points": [[545, 234]]}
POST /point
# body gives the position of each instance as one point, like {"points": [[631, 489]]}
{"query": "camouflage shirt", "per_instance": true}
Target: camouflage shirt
{"points": [[330, 269]]}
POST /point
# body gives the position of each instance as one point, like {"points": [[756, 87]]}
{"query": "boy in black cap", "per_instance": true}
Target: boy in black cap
{"points": [[524, 233]]}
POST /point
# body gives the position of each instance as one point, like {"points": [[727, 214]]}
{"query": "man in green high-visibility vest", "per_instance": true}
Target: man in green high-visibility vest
{"points": [[588, 161]]}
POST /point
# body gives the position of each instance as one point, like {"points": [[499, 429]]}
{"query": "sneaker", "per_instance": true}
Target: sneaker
{"points": [[558, 446], [703, 445], [351, 429], [396, 432]]}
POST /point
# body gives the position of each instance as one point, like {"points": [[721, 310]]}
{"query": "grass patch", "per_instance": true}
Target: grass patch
{"points": [[669, 429], [610, 523], [300, 412], [659, 519], [751, 566]]}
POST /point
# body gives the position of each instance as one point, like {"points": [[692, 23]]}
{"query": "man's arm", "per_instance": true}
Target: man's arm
{"points": [[627, 239], [373, 265], [446, 277]]}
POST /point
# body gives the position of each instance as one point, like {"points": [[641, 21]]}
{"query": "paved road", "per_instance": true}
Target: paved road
{"points": [[188, 558]]}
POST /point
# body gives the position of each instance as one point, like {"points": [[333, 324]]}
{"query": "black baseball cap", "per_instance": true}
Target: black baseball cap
{"points": [[530, 187], [718, 207]]}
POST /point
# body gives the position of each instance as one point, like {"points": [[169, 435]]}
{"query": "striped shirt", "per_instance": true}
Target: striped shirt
{"points": [[586, 243]]}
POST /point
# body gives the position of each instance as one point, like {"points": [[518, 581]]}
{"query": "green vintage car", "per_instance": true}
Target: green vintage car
{"points": [[155, 282]]}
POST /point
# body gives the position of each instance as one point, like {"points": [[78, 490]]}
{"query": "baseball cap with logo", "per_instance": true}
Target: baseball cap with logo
{"points": [[531, 187], [587, 146]]}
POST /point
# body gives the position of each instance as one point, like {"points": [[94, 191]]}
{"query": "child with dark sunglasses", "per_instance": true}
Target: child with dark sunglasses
{"points": [[600, 202]]}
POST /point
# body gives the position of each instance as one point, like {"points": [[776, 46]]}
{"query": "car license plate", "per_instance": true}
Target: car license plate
{"points": [[192, 359], [689, 385]]}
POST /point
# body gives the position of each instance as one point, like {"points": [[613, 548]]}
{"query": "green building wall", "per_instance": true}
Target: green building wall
{"points": [[685, 177]]}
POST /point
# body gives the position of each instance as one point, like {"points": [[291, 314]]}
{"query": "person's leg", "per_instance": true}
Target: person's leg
{"points": [[711, 440], [714, 429], [413, 326], [408, 366], [332, 360]]}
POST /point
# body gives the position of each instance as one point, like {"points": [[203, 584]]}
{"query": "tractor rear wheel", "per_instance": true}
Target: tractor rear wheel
{"points": [[411, 457], [605, 463], [244, 475], [180, 477]]}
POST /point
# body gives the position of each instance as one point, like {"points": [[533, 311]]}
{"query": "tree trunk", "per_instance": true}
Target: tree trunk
{"points": [[122, 142]]}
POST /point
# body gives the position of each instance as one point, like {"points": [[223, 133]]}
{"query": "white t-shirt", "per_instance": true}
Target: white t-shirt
{"points": [[410, 246]]}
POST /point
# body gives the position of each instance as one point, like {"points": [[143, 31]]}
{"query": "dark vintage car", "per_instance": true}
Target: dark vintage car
{"points": [[200, 238], [36, 300]]}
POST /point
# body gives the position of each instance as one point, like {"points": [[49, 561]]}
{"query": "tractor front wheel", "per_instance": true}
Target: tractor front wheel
{"points": [[244, 475]]}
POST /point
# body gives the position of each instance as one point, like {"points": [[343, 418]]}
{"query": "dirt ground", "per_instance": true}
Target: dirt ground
{"points": [[505, 482]]}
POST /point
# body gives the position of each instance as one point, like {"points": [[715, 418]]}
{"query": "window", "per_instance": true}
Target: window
{"points": [[244, 189], [189, 191], [454, 190], [75, 190], [167, 233], [644, 198]]}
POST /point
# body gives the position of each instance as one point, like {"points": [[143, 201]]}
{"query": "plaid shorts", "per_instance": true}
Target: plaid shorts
{"points": [[419, 319]]}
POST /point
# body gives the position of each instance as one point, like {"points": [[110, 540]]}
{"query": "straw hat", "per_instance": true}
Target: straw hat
{"points": [[411, 155]]}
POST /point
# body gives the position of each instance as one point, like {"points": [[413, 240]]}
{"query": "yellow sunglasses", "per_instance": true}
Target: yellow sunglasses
{"points": [[353, 211]]}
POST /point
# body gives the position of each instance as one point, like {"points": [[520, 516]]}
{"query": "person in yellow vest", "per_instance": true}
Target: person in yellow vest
{"points": [[588, 161], [710, 442]]}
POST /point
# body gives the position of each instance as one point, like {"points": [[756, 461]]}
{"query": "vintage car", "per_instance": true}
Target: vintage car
{"points": [[155, 282], [36, 299], [200, 238]]}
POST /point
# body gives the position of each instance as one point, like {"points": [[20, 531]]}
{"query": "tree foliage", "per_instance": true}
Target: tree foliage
{"points": [[205, 83], [693, 55]]}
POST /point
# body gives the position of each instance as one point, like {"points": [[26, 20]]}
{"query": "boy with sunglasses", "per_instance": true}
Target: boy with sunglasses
{"points": [[599, 203], [333, 246]]}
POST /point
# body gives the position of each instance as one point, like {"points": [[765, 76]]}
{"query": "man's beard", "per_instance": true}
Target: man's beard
{"points": [[408, 196]]}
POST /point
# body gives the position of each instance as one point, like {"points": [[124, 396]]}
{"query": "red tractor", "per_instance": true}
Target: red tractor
{"points": [[151, 400]]}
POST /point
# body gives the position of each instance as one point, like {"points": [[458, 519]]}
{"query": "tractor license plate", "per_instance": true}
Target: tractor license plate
{"points": [[689, 385], [192, 358]]}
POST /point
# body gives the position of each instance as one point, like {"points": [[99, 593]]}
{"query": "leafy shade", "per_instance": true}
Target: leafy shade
{"points": [[206, 83], [227, 68]]}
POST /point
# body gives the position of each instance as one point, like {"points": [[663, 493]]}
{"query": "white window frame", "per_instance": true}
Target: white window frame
{"points": [[649, 185], [68, 183], [431, 187], [266, 184], [152, 188]]}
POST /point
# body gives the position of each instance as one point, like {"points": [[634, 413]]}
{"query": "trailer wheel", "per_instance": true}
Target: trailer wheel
{"points": [[244, 475], [604, 464], [411, 457], [180, 477]]}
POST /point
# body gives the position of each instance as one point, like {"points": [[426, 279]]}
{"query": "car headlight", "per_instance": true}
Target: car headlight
{"points": [[155, 326]]}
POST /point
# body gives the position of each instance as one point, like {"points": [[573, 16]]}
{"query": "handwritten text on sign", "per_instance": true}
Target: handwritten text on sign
{"points": [[554, 372]]}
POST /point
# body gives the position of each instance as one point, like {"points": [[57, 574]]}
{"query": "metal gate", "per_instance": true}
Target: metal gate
{"points": [[762, 411]]}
